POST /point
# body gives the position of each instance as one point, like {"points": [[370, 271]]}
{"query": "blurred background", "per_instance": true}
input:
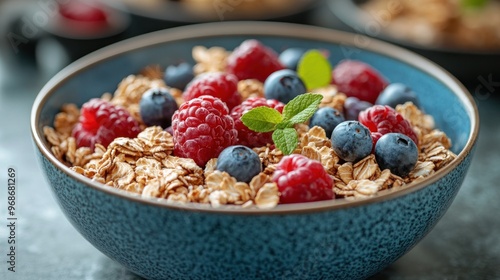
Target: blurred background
{"points": [[40, 37], [43, 36]]}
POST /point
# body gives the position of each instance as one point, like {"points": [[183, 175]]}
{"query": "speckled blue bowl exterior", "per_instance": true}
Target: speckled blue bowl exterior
{"points": [[322, 240]]}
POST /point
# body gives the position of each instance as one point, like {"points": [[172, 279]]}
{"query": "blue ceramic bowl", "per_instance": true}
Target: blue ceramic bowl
{"points": [[335, 239]]}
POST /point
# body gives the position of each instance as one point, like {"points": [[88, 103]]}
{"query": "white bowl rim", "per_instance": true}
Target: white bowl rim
{"points": [[249, 28]]}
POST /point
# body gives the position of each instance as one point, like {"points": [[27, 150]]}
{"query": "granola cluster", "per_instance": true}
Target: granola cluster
{"points": [[147, 166]]}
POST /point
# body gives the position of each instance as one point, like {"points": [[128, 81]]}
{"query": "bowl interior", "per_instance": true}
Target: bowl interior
{"points": [[439, 94]]}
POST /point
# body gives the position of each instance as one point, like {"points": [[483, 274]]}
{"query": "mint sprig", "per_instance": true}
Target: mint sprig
{"points": [[298, 110]]}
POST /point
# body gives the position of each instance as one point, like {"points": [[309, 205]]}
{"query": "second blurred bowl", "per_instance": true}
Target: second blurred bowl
{"points": [[472, 67]]}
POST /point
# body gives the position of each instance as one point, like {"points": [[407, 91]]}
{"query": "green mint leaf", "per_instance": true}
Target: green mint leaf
{"points": [[314, 69], [301, 108], [286, 139], [262, 119]]}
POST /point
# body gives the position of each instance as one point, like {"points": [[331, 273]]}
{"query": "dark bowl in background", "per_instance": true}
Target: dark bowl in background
{"points": [[471, 67], [80, 37], [37, 36]]}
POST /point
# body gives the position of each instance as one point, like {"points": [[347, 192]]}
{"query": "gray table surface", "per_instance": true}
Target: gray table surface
{"points": [[464, 245]]}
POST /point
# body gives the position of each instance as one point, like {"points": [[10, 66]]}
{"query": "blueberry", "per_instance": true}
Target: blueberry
{"points": [[283, 85], [290, 57], [351, 141], [396, 152], [395, 94], [239, 161], [178, 76], [327, 118], [352, 107], [157, 107]]}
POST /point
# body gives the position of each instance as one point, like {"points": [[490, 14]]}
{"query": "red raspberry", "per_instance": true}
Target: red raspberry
{"points": [[253, 60], [301, 179], [221, 85], [382, 119], [249, 137], [358, 79], [202, 129], [101, 122]]}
